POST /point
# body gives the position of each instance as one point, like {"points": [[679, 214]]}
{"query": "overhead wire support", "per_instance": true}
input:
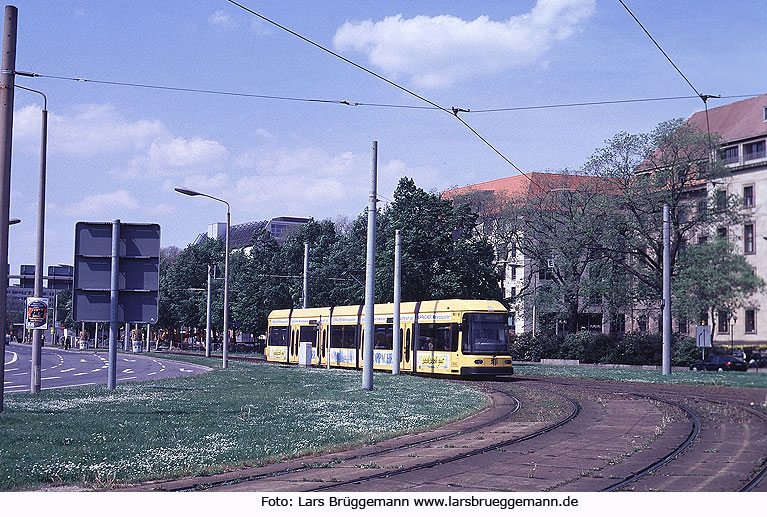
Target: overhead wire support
{"points": [[703, 97]]}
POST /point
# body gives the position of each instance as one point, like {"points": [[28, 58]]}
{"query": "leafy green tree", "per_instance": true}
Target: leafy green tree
{"points": [[710, 277], [670, 165]]}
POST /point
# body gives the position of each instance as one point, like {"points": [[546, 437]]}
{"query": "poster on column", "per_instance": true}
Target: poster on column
{"points": [[36, 317]]}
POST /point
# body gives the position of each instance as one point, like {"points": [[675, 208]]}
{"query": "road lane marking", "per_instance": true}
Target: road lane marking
{"points": [[153, 373], [49, 378], [127, 370], [83, 373], [14, 357], [96, 370], [67, 370]]}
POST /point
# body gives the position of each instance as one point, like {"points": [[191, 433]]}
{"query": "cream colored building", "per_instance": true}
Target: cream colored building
{"points": [[743, 128]]}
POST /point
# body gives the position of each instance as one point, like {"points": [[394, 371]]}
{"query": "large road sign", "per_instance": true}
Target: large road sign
{"points": [[138, 275]]}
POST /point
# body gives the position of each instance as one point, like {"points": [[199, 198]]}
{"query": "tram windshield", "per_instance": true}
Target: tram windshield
{"points": [[484, 334]]}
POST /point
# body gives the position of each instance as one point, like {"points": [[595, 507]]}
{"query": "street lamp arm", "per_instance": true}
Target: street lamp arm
{"points": [[189, 192], [45, 99]]}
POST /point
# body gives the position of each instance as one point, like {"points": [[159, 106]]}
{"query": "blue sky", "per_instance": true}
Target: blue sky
{"points": [[117, 152]]}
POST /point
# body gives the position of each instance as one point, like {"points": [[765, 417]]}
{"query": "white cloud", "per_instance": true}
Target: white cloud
{"points": [[110, 204], [87, 131], [182, 153], [222, 19], [310, 181], [439, 51]]}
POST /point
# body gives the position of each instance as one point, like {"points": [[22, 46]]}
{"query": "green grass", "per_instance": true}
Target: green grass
{"points": [[725, 379], [246, 415]]}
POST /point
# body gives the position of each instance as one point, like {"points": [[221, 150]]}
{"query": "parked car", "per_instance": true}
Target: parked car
{"points": [[720, 363], [758, 357]]}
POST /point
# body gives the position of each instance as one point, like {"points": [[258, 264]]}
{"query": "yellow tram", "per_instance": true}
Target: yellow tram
{"points": [[446, 337]]}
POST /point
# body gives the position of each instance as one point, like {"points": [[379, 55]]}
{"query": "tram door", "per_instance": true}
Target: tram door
{"points": [[406, 354], [308, 335]]}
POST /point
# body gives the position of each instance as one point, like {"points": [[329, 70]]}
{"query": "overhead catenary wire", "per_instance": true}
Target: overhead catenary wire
{"points": [[453, 110], [188, 89], [703, 97]]}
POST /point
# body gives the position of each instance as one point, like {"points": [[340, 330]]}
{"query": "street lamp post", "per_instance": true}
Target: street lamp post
{"points": [[37, 334], [225, 352]]}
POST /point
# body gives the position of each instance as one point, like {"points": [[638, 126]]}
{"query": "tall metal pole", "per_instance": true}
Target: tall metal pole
{"points": [[37, 334], [207, 313], [114, 287], [397, 352], [225, 351], [6, 134], [305, 300], [666, 291], [370, 274]]}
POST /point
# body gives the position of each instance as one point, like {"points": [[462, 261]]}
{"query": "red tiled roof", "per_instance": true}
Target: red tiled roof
{"points": [[526, 185], [735, 121]]}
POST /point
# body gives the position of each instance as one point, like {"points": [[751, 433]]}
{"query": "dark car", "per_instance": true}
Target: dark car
{"points": [[758, 357], [720, 363]]}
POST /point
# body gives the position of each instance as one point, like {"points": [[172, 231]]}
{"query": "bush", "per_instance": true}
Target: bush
{"points": [[587, 347], [683, 351], [526, 347]]}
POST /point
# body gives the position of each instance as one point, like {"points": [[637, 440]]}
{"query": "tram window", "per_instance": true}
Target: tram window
{"points": [[342, 336], [309, 334], [401, 343], [383, 338], [278, 336], [407, 346], [438, 336]]}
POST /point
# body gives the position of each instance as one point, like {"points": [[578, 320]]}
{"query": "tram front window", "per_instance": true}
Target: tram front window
{"points": [[484, 334]]}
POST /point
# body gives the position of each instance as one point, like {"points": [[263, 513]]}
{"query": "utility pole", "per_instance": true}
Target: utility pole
{"points": [[37, 334], [305, 301], [114, 287], [396, 353], [7, 84], [666, 291], [370, 275], [207, 313]]}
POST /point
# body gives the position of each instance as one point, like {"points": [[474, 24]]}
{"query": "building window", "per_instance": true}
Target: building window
{"points": [[723, 322], [749, 244], [683, 327], [748, 195], [754, 150], [750, 321], [702, 239], [619, 323], [730, 155], [703, 210], [513, 272], [721, 232], [720, 198], [642, 323]]}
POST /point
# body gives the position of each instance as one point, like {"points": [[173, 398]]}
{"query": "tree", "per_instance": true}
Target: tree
{"points": [[671, 165], [712, 277]]}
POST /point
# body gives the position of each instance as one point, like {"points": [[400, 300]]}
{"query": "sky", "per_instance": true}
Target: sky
{"points": [[117, 152]]}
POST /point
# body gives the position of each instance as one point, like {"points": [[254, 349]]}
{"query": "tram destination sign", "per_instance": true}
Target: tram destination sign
{"points": [[138, 272]]}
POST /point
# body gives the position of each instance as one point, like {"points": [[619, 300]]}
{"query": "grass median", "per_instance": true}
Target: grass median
{"points": [[733, 379], [248, 414]]}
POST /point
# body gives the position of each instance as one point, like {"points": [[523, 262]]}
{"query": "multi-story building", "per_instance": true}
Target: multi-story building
{"points": [[742, 126], [241, 235]]}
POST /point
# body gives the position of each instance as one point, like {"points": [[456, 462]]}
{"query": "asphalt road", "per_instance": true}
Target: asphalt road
{"points": [[64, 368]]}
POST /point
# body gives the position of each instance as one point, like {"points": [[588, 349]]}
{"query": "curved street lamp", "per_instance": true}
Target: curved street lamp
{"points": [[225, 352]]}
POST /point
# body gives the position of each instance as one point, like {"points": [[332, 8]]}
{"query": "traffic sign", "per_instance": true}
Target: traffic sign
{"points": [[138, 272], [703, 336]]}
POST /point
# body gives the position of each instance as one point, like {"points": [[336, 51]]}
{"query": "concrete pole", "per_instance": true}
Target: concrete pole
{"points": [[147, 337], [7, 82], [114, 287], [207, 312], [666, 291], [225, 351], [37, 334], [305, 301], [370, 275], [397, 352]]}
